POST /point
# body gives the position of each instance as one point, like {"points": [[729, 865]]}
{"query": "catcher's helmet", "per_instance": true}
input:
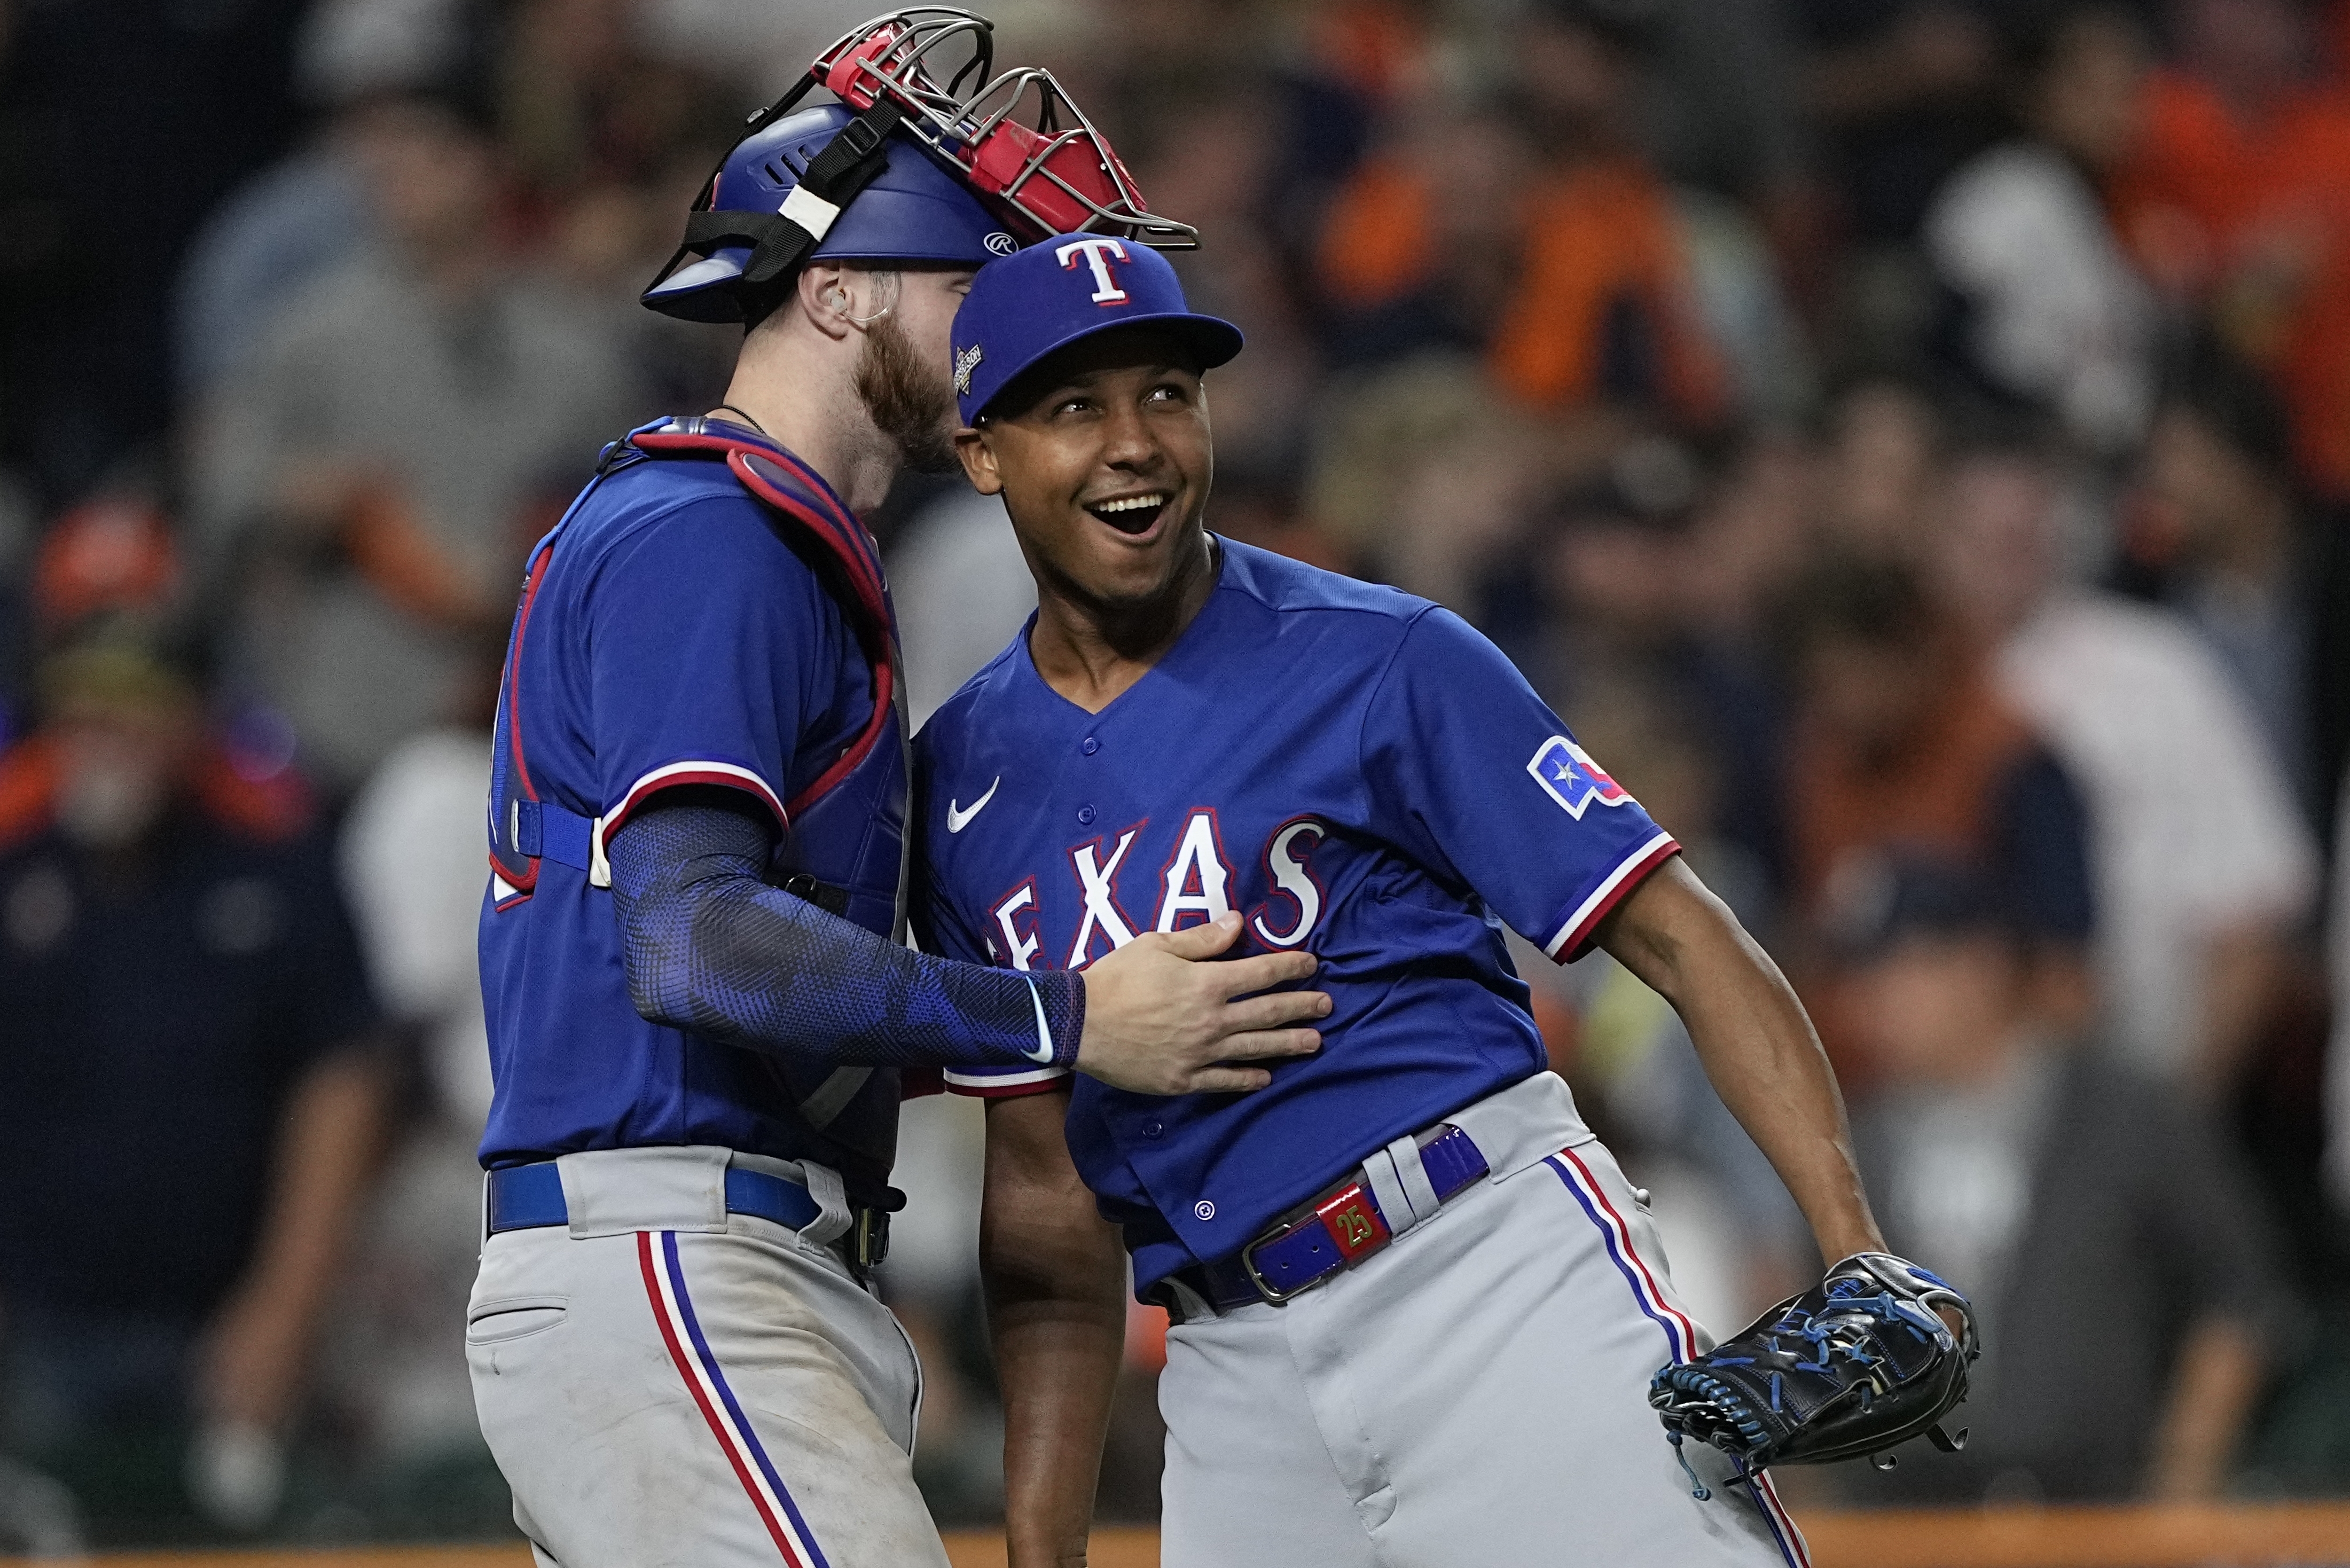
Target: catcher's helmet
{"points": [[913, 211], [904, 168]]}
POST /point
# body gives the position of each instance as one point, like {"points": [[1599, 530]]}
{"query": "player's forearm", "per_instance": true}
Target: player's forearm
{"points": [[1059, 1366], [712, 948], [1055, 1283], [1756, 1043]]}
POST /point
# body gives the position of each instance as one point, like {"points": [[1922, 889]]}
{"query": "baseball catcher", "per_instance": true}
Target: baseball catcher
{"points": [[701, 1023]]}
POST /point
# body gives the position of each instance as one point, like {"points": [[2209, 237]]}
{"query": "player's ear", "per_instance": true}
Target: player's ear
{"points": [[978, 461], [823, 296]]}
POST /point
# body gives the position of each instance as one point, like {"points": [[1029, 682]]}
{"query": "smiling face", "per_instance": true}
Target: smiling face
{"points": [[1103, 456]]}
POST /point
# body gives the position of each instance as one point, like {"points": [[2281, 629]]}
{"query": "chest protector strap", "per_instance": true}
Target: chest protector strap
{"points": [[848, 561]]}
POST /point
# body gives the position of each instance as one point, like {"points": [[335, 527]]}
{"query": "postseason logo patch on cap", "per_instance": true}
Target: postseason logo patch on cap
{"points": [[965, 363]]}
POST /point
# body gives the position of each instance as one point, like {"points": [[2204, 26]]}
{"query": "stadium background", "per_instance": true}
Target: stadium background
{"points": [[1891, 430]]}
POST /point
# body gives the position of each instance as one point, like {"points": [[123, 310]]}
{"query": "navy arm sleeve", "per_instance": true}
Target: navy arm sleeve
{"points": [[710, 947]]}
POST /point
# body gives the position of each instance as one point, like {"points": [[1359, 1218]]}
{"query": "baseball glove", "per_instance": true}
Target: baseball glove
{"points": [[1860, 1362]]}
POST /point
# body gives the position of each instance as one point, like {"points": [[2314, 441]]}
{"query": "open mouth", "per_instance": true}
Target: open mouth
{"points": [[1131, 513]]}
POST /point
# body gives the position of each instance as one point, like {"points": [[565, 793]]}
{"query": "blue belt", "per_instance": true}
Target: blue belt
{"points": [[1340, 1226], [525, 1196]]}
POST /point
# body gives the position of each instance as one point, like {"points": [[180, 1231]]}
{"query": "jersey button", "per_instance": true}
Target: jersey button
{"points": [[1153, 1127], [1090, 746], [1085, 816]]}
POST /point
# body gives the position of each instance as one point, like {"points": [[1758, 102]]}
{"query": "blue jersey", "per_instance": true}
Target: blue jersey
{"points": [[1360, 774], [678, 635]]}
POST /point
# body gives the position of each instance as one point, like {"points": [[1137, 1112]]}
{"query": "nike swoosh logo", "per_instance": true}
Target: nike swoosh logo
{"points": [[957, 820], [1043, 1054]]}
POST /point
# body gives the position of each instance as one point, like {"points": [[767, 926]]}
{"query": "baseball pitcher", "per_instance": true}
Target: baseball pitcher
{"points": [[1420, 1318]]}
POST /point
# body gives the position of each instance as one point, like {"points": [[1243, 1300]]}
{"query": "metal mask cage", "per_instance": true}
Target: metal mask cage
{"points": [[894, 54], [1019, 139], [1053, 167]]}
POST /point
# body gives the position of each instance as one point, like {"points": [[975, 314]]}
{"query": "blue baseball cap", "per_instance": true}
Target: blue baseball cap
{"points": [[1040, 300]]}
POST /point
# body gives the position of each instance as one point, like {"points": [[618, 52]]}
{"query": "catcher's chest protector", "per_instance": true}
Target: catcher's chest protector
{"points": [[844, 848]]}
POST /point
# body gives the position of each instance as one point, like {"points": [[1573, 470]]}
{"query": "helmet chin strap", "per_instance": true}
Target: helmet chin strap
{"points": [[781, 241]]}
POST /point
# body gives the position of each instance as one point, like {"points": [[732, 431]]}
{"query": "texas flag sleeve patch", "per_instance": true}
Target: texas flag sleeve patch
{"points": [[1570, 777]]}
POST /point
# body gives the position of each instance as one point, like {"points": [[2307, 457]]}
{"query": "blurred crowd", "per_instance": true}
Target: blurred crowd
{"points": [[1908, 440]]}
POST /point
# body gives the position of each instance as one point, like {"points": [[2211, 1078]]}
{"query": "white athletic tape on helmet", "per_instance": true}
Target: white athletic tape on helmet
{"points": [[810, 211]]}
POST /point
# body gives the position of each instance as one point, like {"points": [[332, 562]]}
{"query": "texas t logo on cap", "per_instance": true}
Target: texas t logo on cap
{"points": [[1097, 250]]}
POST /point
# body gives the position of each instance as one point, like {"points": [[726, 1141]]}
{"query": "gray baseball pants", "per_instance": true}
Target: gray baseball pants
{"points": [[664, 1382], [1476, 1392]]}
